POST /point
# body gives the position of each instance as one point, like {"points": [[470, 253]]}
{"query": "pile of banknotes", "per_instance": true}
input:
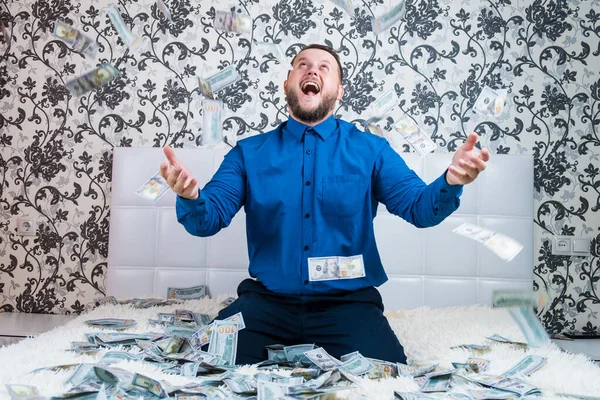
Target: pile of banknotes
{"points": [[192, 345]]}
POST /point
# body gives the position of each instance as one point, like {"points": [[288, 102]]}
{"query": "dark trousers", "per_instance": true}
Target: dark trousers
{"points": [[340, 323]]}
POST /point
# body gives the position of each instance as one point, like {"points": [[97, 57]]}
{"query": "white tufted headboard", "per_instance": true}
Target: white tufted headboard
{"points": [[150, 251]]}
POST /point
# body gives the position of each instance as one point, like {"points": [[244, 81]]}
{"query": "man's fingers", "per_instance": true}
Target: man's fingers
{"points": [[164, 170], [170, 154], [485, 155], [470, 142], [191, 189]]}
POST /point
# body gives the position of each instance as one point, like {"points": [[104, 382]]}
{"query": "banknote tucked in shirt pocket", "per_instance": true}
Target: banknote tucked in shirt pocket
{"points": [[344, 195]]}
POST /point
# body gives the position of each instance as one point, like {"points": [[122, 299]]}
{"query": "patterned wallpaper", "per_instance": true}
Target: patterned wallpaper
{"points": [[56, 154]]}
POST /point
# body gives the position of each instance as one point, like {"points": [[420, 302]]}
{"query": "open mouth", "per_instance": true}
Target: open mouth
{"points": [[310, 88]]}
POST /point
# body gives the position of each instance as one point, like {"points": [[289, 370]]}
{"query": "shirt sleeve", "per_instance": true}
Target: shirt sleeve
{"points": [[405, 194], [218, 201]]}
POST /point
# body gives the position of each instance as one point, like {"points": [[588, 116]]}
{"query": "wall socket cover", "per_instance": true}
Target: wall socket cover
{"points": [[571, 246], [26, 226]]}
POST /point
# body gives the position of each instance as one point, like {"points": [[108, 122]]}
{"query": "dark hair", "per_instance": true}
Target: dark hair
{"points": [[327, 49]]}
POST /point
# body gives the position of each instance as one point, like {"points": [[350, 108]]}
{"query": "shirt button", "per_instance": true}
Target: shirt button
{"points": [[307, 183], [307, 215], [306, 282], [308, 151], [305, 247]]}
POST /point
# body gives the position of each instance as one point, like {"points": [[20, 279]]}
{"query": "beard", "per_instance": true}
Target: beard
{"points": [[318, 113]]}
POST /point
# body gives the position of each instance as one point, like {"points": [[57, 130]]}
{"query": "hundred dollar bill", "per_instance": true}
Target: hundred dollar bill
{"points": [[194, 292], [481, 363], [526, 366], [132, 41], [112, 323], [490, 394], [530, 325], [296, 352], [201, 337], [148, 384], [416, 138], [357, 365], [331, 268], [212, 129], [478, 347], [407, 370], [384, 103], [154, 188], [205, 88], [514, 298], [24, 392], [273, 48], [164, 9], [227, 76], [383, 22], [72, 37], [346, 5], [322, 359], [275, 352], [92, 79], [174, 345], [223, 341], [231, 21], [107, 300], [503, 246], [501, 339], [490, 102], [238, 319], [439, 383], [382, 369], [509, 384], [271, 390]]}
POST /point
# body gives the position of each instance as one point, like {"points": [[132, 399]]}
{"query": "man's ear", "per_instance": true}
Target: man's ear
{"points": [[285, 86], [340, 92]]}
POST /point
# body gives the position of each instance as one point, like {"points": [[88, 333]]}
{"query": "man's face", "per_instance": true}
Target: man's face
{"points": [[313, 86]]}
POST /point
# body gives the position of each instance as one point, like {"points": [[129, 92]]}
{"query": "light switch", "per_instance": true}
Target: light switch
{"points": [[581, 246]]}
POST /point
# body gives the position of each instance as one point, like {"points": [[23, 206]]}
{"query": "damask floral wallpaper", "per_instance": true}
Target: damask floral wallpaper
{"points": [[56, 149]]}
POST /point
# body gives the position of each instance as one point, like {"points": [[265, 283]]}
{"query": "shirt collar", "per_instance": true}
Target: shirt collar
{"points": [[325, 129]]}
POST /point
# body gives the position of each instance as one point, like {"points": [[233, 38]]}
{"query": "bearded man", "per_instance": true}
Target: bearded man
{"points": [[310, 189]]}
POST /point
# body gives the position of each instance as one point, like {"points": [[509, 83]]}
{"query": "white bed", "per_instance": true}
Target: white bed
{"points": [[150, 251]]}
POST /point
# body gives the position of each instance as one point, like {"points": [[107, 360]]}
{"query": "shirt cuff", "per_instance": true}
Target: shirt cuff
{"points": [[190, 205], [448, 192]]}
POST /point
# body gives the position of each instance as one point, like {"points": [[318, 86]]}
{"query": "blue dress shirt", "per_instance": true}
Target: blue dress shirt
{"points": [[313, 192]]}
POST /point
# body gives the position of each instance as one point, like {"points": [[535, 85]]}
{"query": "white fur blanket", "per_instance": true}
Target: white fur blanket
{"points": [[427, 335]]}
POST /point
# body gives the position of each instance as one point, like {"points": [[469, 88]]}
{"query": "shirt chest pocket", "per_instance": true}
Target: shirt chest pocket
{"points": [[344, 195]]}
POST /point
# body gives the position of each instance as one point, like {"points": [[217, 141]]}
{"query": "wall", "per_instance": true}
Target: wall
{"points": [[56, 154]]}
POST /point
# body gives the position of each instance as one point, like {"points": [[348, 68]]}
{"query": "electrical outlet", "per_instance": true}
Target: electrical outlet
{"points": [[26, 226], [571, 246]]}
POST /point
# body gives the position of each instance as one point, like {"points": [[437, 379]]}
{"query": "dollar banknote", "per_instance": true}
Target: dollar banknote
{"points": [[331, 268], [164, 9], [212, 128], [148, 384], [501, 339], [274, 49], [491, 394], [526, 366], [24, 392], [514, 298], [271, 390], [415, 136], [407, 370], [296, 352], [384, 103], [322, 359], [382, 369], [154, 188], [111, 323], [481, 363], [357, 365], [194, 292], [205, 88], [490, 102], [201, 337], [503, 246], [223, 341], [225, 77], [477, 347], [438, 383], [237, 318], [231, 21], [509, 384], [92, 79], [133, 42], [386, 20], [107, 300], [75, 39], [275, 352]]}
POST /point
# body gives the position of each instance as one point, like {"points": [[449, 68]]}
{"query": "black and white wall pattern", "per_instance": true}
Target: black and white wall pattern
{"points": [[56, 150]]}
